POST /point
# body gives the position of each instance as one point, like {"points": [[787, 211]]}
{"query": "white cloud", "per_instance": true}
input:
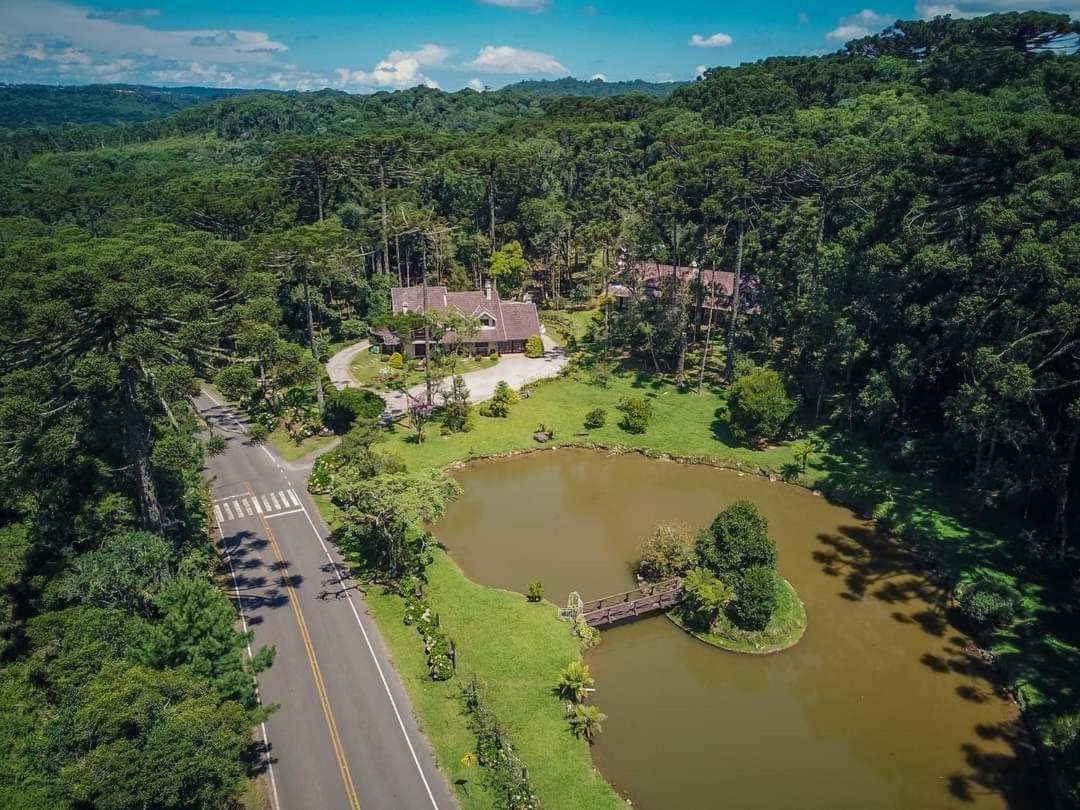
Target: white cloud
{"points": [[54, 20], [858, 25], [208, 75], [504, 59], [975, 8], [477, 85], [58, 41], [427, 54], [528, 5], [398, 70], [699, 71], [803, 18], [599, 77], [717, 40]]}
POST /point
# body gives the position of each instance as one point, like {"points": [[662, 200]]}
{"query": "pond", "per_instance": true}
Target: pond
{"points": [[883, 704]]}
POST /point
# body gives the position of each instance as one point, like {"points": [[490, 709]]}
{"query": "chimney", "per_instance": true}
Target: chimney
{"points": [[487, 290]]}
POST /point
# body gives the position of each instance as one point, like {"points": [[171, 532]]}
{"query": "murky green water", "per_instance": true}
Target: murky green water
{"points": [[883, 704]]}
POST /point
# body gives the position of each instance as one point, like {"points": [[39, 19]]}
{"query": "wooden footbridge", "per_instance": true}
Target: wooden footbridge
{"points": [[625, 606]]}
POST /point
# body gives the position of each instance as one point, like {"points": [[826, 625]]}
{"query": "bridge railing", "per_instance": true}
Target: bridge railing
{"points": [[673, 584]]}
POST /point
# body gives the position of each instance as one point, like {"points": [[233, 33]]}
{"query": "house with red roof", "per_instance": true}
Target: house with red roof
{"points": [[715, 287], [501, 326]]}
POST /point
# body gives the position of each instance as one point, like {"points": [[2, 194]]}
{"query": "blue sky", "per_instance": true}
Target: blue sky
{"points": [[364, 46]]}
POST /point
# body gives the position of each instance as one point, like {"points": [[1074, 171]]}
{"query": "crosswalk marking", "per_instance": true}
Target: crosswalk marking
{"points": [[270, 504]]}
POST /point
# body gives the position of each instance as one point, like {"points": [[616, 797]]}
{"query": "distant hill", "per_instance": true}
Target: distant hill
{"points": [[26, 106], [40, 105], [596, 88]]}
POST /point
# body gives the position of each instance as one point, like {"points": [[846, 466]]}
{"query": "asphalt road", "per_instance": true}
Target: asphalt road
{"points": [[344, 736]]}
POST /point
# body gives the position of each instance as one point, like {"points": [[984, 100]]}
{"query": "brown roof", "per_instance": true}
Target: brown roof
{"points": [[651, 273], [514, 320], [719, 284]]}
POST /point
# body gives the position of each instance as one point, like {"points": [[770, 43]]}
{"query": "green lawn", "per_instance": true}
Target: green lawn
{"points": [[562, 325], [290, 450], [518, 648], [684, 424], [374, 371], [786, 627]]}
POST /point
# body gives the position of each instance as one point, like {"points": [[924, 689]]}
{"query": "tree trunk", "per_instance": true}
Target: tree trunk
{"points": [[385, 221], [1066, 516], [705, 351], [427, 327], [491, 212], [397, 258], [137, 447], [311, 338], [822, 378], [729, 361]]}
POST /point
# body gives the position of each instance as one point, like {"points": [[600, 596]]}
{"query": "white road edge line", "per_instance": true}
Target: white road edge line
{"points": [[244, 625], [371, 650], [363, 631]]}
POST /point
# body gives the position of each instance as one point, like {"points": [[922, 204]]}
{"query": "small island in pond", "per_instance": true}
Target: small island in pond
{"points": [[733, 597]]}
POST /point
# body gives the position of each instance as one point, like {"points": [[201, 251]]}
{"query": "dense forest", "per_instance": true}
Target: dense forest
{"points": [[906, 213], [597, 87], [36, 105]]}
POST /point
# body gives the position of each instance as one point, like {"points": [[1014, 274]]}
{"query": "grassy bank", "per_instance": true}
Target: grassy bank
{"points": [[1037, 656], [291, 450], [786, 627], [518, 648]]}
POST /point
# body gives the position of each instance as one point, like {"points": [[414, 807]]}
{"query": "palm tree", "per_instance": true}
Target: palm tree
{"points": [[297, 403], [802, 450], [703, 597], [587, 722], [574, 682]]}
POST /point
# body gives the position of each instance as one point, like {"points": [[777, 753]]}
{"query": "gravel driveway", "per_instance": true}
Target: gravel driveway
{"points": [[515, 369]]}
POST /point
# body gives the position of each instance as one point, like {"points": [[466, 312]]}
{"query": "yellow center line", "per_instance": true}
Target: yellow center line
{"points": [[320, 686]]}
